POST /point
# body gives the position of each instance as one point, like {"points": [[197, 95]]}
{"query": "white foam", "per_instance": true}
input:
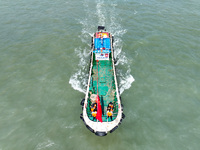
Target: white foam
{"points": [[71, 126], [100, 13], [125, 82], [124, 76], [79, 79], [44, 145], [76, 82]]}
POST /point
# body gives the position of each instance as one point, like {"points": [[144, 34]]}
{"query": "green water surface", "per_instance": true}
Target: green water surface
{"points": [[44, 62]]}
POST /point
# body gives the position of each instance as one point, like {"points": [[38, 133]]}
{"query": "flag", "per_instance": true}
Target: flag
{"points": [[99, 110]]}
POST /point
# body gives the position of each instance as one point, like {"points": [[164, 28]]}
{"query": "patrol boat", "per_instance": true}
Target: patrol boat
{"points": [[102, 108]]}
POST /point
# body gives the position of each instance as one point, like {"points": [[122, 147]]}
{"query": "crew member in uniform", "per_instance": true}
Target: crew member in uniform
{"points": [[94, 110], [110, 110]]}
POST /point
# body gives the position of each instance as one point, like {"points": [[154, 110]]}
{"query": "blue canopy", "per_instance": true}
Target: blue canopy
{"points": [[102, 43]]}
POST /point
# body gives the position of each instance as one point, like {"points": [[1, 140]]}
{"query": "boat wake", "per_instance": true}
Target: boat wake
{"points": [[104, 15], [79, 79]]}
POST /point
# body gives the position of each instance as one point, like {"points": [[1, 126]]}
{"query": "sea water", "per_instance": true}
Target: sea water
{"points": [[44, 64]]}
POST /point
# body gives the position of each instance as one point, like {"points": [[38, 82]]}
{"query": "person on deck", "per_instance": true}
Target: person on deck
{"points": [[110, 110], [111, 105], [109, 113], [94, 110], [93, 107]]}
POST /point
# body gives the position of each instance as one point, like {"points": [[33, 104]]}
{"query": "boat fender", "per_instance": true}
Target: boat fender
{"points": [[120, 122], [92, 42], [114, 129], [92, 45], [115, 61], [123, 116], [122, 108], [101, 133], [89, 128], [81, 116], [92, 39], [120, 98], [90, 62], [82, 102], [84, 122]]}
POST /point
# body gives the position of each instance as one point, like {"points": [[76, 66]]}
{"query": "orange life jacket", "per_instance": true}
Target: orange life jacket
{"points": [[109, 113], [94, 114]]}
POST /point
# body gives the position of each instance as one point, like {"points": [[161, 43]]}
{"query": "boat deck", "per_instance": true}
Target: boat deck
{"points": [[102, 72], [102, 87]]}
